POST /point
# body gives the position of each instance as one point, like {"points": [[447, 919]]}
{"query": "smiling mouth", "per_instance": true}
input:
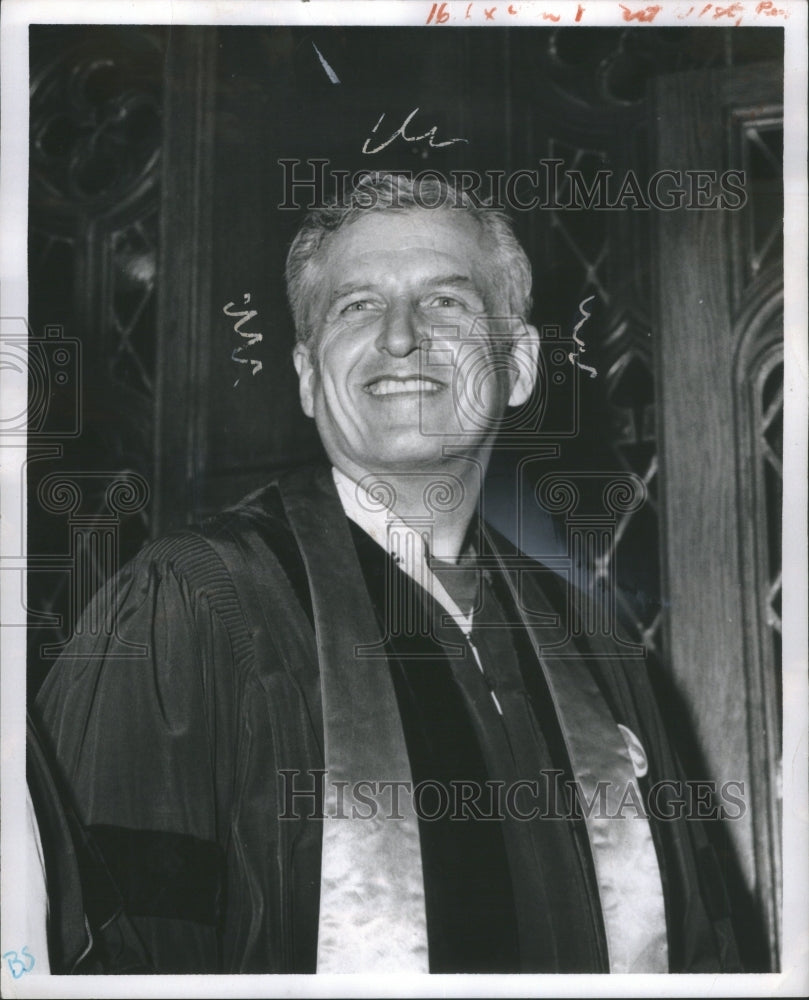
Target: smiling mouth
{"points": [[397, 386]]}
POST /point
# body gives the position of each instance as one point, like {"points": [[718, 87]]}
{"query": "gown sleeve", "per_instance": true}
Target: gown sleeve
{"points": [[140, 725]]}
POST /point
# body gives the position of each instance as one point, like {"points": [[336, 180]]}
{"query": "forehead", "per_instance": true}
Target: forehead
{"points": [[416, 239]]}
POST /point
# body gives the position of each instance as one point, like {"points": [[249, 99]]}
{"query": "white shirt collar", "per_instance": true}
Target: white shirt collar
{"points": [[407, 545]]}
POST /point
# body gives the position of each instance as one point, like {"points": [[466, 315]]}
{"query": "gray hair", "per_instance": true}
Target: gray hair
{"points": [[510, 286]]}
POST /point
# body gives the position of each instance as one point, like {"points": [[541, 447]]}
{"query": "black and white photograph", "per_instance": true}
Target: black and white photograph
{"points": [[404, 477]]}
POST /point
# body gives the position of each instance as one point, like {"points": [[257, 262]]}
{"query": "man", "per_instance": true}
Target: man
{"points": [[354, 726]]}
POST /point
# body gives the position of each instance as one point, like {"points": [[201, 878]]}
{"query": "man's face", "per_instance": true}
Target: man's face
{"points": [[399, 325]]}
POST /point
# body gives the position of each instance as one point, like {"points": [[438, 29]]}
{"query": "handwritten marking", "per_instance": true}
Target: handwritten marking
{"points": [[573, 358], [441, 14], [16, 965], [731, 11], [250, 338], [648, 14], [401, 132], [734, 10], [329, 71]]}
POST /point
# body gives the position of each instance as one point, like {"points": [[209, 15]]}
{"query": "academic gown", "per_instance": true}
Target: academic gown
{"points": [[174, 724]]}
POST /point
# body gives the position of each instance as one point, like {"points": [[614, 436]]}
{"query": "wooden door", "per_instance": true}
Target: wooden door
{"points": [[719, 304]]}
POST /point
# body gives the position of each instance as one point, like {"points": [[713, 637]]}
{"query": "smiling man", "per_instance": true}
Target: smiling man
{"points": [[401, 305], [358, 735]]}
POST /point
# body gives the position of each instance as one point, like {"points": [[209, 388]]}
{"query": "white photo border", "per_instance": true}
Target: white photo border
{"points": [[16, 16]]}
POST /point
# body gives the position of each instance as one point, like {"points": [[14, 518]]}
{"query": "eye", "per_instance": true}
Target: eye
{"points": [[445, 302], [358, 306]]}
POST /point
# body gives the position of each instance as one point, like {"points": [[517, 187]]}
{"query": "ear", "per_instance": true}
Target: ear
{"points": [[304, 366], [525, 357]]}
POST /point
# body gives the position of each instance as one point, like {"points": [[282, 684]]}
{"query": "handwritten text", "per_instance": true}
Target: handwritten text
{"points": [[401, 132], [19, 962], [574, 357], [245, 315]]}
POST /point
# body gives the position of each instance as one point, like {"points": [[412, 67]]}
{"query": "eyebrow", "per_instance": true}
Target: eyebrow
{"points": [[347, 289], [452, 280]]}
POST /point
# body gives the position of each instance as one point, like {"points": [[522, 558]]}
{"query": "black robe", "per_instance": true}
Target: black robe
{"points": [[173, 725]]}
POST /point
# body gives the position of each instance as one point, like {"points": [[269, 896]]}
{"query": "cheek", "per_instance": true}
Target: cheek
{"points": [[330, 376], [482, 374], [338, 355], [481, 388]]}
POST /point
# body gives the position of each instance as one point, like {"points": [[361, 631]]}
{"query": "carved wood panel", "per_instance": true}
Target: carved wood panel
{"points": [[720, 396]]}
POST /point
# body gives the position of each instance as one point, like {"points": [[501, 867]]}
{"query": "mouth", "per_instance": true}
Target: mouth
{"points": [[398, 385]]}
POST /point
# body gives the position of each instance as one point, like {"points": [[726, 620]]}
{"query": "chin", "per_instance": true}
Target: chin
{"points": [[404, 460], [397, 453]]}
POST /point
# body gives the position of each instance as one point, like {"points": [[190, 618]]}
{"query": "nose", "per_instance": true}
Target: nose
{"points": [[400, 334]]}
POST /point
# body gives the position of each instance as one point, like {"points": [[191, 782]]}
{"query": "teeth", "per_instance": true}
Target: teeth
{"points": [[391, 386]]}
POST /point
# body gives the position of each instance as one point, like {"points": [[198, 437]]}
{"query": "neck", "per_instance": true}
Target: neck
{"points": [[442, 500]]}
